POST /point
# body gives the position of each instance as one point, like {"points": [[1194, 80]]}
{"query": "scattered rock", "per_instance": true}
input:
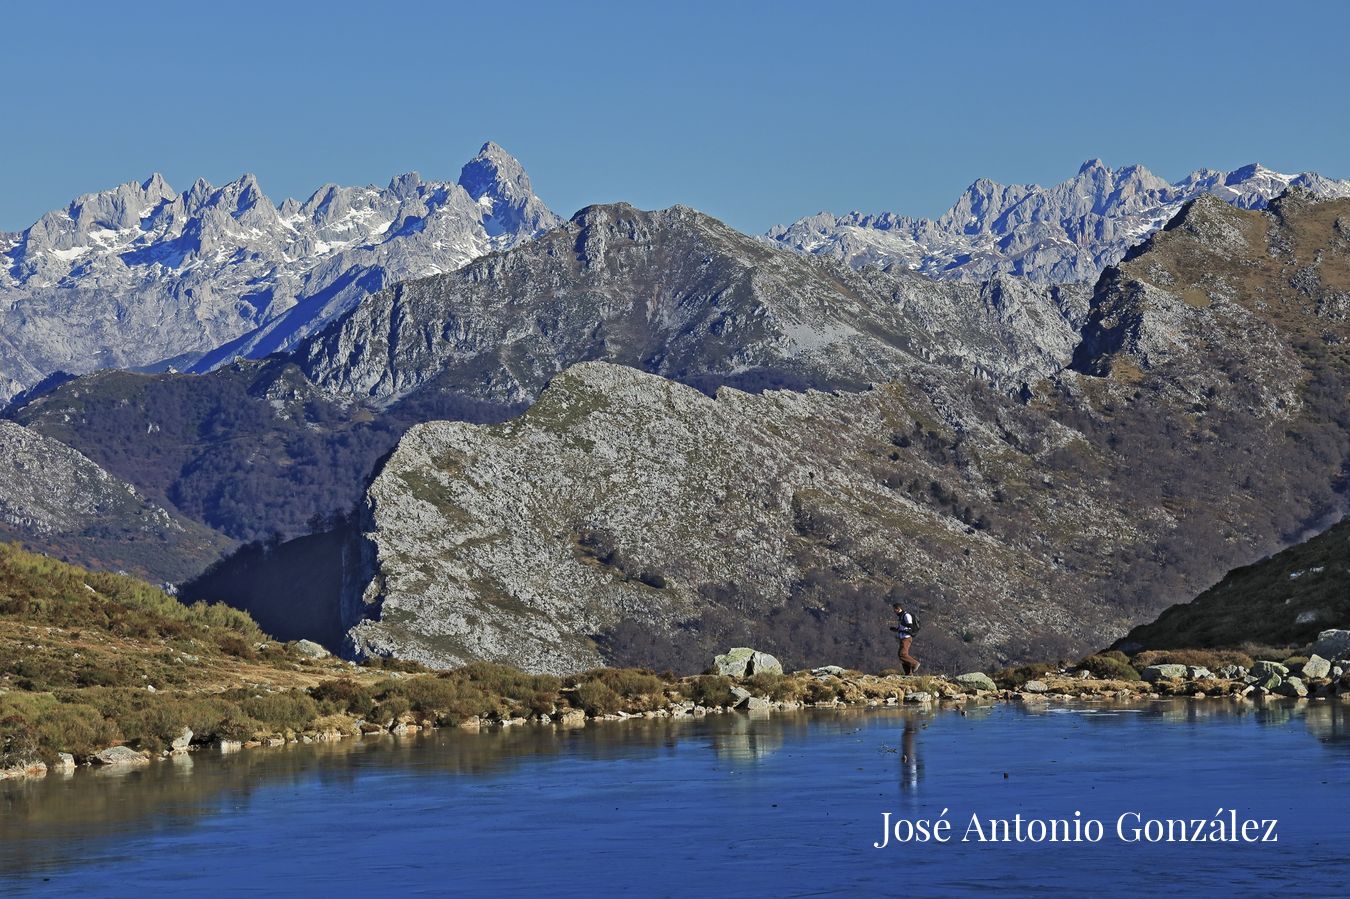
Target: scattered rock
{"points": [[1035, 686], [739, 696], [1264, 669], [757, 704], [120, 755], [827, 671], [571, 717], [975, 680], [1333, 644], [64, 762], [1232, 672], [919, 696], [182, 741], [1292, 686], [1154, 673], [1316, 667], [1198, 672], [311, 649]]}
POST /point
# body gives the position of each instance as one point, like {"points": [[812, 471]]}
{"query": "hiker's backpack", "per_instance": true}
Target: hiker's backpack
{"points": [[913, 623]]}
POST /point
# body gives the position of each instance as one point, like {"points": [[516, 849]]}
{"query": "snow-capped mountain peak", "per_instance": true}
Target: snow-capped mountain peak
{"points": [[1065, 233], [140, 275]]}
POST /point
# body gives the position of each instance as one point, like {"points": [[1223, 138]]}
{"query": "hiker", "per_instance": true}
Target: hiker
{"points": [[906, 627]]}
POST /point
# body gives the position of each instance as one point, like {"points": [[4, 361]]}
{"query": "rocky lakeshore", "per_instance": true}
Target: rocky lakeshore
{"points": [[366, 702]]}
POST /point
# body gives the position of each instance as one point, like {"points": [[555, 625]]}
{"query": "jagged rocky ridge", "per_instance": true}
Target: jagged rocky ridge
{"points": [[142, 276], [680, 294], [55, 500], [625, 518], [257, 446], [1065, 233]]}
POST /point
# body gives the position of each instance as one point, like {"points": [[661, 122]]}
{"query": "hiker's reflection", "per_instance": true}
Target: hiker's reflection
{"points": [[911, 769]]}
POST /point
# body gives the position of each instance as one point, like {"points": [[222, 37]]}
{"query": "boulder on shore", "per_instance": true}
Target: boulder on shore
{"points": [[182, 741], [1266, 668], [120, 755], [742, 661], [1292, 686], [975, 680], [1154, 673], [1316, 667], [1333, 644]]}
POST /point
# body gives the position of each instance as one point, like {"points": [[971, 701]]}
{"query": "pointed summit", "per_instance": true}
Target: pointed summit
{"points": [[497, 181], [1092, 165], [495, 172]]}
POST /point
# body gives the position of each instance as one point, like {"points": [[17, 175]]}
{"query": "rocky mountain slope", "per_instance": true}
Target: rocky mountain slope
{"points": [[1284, 600], [143, 276], [55, 500], [678, 293], [256, 447], [626, 518], [1065, 233]]}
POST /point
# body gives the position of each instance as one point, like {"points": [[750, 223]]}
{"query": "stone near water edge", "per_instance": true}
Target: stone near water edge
{"points": [[64, 762], [1035, 686], [571, 717], [24, 768], [975, 680], [1292, 686], [757, 704], [1232, 672], [1316, 667], [1332, 644], [739, 696], [1271, 682], [918, 696], [311, 649], [120, 755], [226, 746], [1198, 672], [1265, 668], [1155, 673], [742, 661], [182, 741]]}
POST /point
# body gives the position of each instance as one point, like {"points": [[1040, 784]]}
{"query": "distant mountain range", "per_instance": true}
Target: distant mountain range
{"points": [[143, 277], [640, 436], [1065, 233]]}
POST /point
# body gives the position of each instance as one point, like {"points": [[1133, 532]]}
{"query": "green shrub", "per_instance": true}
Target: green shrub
{"points": [[292, 710], [774, 686], [597, 698], [343, 695], [1016, 678], [709, 690], [634, 689], [821, 690], [1109, 666], [1212, 659]]}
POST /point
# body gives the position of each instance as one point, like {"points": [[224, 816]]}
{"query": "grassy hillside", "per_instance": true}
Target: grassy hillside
{"points": [[89, 660], [1283, 600]]}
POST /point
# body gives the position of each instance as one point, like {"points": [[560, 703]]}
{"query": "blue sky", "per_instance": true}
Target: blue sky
{"points": [[755, 112]]}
